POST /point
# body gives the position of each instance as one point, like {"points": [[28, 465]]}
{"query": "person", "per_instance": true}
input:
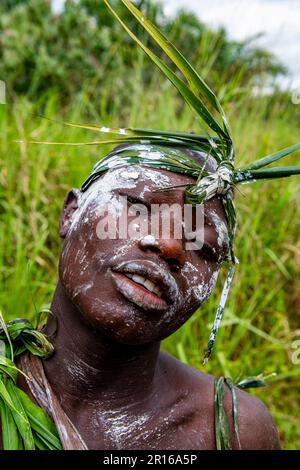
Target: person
{"points": [[115, 301], [106, 384]]}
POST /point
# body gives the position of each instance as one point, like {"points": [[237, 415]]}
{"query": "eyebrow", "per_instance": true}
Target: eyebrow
{"points": [[208, 217], [128, 193], [147, 197]]}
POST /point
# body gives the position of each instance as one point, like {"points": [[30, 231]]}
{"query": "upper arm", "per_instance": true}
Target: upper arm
{"points": [[257, 430]]}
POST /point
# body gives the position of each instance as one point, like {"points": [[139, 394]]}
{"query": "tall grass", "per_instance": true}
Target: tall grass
{"points": [[262, 316]]}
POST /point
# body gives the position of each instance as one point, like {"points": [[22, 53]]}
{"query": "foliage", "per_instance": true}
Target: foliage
{"points": [[201, 99], [9, 4], [261, 320], [24, 424], [85, 48]]}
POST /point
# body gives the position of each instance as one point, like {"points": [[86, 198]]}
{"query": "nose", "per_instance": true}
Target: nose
{"points": [[170, 249]]}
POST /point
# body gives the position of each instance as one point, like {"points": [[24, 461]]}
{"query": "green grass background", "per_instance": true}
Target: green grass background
{"points": [[261, 319]]}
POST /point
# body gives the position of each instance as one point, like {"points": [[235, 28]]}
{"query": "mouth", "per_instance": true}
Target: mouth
{"points": [[146, 285]]}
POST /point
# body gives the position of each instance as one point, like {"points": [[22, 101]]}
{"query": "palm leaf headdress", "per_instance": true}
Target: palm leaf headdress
{"points": [[165, 150]]}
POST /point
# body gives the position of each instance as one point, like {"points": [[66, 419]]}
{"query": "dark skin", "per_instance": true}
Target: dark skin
{"points": [[114, 383]]}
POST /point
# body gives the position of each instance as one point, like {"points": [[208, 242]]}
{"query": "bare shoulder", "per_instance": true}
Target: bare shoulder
{"points": [[257, 430], [256, 426]]}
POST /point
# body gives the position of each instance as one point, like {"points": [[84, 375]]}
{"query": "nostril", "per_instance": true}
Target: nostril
{"points": [[173, 253], [170, 249], [174, 265], [153, 249]]}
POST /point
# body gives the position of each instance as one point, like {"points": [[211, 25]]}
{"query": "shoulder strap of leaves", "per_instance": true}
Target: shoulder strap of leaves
{"points": [[24, 424]]}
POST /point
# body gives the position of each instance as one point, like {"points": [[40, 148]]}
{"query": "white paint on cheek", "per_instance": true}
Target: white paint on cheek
{"points": [[203, 290], [66, 249], [123, 249], [82, 289], [221, 229], [75, 369], [189, 268], [173, 311], [101, 259]]}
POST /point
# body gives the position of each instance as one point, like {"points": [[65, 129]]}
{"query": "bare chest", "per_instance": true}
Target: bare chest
{"points": [[180, 426]]}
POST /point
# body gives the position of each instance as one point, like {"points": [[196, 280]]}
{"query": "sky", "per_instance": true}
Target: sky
{"points": [[279, 20]]}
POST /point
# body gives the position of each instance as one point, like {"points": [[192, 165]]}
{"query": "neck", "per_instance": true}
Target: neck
{"points": [[88, 366]]}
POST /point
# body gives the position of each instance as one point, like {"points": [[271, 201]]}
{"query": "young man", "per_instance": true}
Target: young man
{"points": [[107, 385], [115, 300]]}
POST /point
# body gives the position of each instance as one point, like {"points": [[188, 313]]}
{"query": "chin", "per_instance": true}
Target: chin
{"points": [[125, 324], [127, 335], [119, 320]]}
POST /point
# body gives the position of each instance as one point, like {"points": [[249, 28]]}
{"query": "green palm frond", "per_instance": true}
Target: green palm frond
{"points": [[24, 424], [184, 89], [263, 162], [222, 435]]}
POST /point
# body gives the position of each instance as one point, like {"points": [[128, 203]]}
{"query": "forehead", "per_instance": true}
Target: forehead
{"points": [[136, 177], [144, 182]]}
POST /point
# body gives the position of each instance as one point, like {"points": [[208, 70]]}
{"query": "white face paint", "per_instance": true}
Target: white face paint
{"points": [[202, 291], [101, 191], [198, 288], [221, 228], [189, 268], [95, 260]]}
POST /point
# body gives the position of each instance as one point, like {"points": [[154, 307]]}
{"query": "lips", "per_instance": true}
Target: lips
{"points": [[143, 281], [145, 284]]}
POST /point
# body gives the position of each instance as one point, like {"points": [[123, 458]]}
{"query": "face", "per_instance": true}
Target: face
{"points": [[139, 289]]}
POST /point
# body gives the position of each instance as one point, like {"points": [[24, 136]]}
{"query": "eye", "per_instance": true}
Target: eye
{"points": [[135, 200]]}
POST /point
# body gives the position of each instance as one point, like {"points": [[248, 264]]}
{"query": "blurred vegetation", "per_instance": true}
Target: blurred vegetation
{"points": [[85, 48], [80, 65]]}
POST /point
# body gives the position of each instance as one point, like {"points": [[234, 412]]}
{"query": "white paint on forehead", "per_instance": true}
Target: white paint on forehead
{"points": [[130, 174], [154, 155], [157, 178], [124, 178], [144, 174], [111, 180], [119, 178]]}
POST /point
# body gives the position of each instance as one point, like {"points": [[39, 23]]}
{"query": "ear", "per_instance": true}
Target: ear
{"points": [[69, 207]]}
